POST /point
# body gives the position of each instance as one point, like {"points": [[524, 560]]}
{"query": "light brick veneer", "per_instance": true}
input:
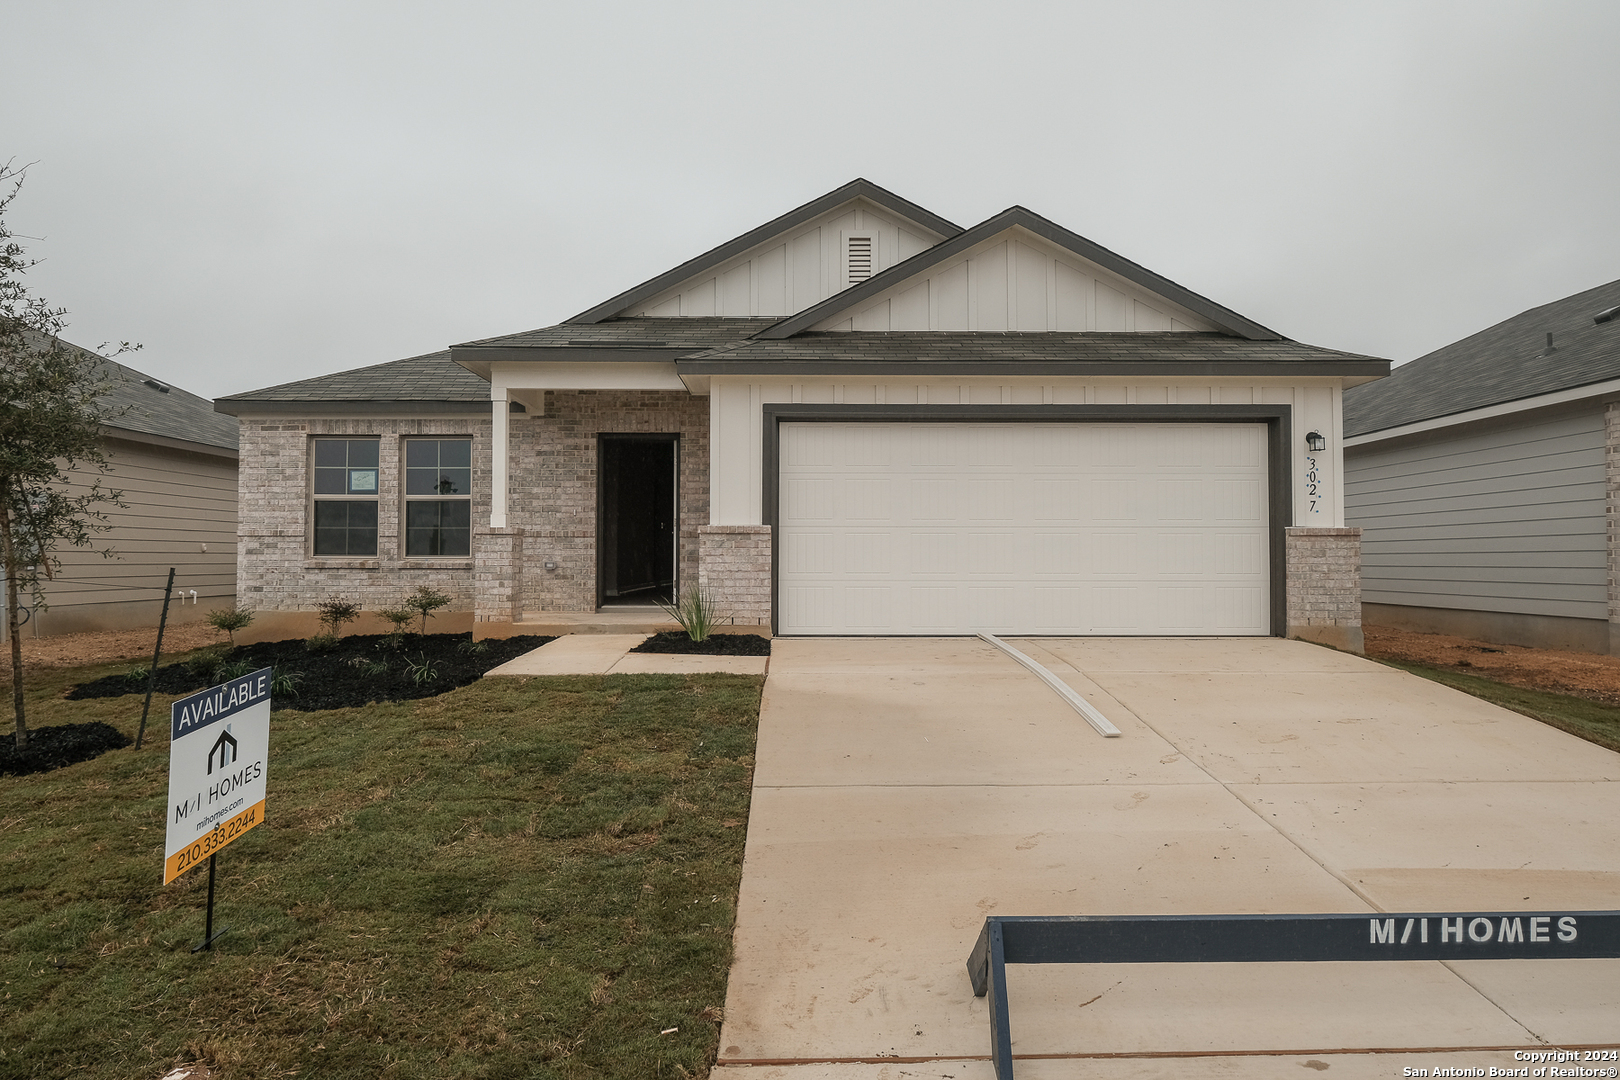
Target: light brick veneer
{"points": [[551, 510], [275, 571], [734, 570], [553, 492], [1324, 586]]}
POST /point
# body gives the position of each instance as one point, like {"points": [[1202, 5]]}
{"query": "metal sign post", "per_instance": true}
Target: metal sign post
{"points": [[219, 748]]}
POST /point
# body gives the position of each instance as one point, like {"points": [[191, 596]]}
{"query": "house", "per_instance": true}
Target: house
{"points": [[858, 418], [1483, 477], [174, 459]]}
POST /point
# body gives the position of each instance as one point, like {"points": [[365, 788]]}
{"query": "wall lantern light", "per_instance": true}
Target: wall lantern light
{"points": [[1315, 442]]}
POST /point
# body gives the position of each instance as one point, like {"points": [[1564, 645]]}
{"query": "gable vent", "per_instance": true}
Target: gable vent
{"points": [[860, 257]]}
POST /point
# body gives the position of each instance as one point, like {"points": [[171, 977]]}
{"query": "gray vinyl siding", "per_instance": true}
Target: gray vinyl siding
{"points": [[1508, 519], [176, 502]]}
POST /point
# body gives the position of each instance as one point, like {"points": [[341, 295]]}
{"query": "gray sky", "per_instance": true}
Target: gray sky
{"points": [[266, 192]]}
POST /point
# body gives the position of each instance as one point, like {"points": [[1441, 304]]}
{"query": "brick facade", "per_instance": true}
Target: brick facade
{"points": [[551, 513], [275, 571], [734, 571], [1324, 586]]}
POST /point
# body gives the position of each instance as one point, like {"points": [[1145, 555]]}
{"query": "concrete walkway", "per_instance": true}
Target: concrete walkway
{"points": [[609, 654], [906, 788]]}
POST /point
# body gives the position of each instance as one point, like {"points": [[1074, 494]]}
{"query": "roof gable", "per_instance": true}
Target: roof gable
{"points": [[1079, 286], [786, 264]]}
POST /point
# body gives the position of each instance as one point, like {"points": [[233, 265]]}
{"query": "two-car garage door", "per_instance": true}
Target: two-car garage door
{"points": [[1031, 528]]}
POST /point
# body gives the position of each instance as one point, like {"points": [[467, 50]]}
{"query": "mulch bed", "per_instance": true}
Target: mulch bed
{"points": [[360, 669], [677, 641], [53, 747]]}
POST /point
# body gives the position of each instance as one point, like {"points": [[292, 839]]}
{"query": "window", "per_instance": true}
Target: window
{"points": [[438, 498], [345, 491]]}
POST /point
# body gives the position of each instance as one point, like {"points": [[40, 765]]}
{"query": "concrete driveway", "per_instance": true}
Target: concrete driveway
{"points": [[906, 788]]}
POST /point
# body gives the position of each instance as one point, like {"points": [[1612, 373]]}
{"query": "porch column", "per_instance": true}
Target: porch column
{"points": [[500, 429]]}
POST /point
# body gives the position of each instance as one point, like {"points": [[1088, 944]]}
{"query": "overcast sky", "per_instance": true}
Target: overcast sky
{"points": [[266, 192]]}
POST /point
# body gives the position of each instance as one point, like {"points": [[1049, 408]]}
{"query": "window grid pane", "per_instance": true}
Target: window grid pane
{"points": [[345, 527], [438, 527]]}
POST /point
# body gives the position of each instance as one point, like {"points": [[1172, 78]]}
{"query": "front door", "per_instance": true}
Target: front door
{"points": [[636, 519]]}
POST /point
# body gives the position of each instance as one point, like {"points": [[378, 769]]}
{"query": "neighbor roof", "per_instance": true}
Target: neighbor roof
{"points": [[143, 405], [857, 188], [852, 298], [1507, 362], [1051, 352], [431, 382]]}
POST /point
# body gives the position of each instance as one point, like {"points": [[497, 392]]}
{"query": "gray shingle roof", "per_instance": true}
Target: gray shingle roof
{"points": [[136, 405], [1504, 363], [429, 377], [684, 333], [1004, 351]]}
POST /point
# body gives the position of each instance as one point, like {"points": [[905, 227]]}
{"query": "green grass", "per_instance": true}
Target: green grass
{"points": [[1591, 720], [521, 878]]}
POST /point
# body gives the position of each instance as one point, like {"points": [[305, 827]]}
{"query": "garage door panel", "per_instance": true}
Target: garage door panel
{"points": [[953, 528]]}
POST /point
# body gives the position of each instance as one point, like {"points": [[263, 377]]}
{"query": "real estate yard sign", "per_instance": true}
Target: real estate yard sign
{"points": [[219, 743]]}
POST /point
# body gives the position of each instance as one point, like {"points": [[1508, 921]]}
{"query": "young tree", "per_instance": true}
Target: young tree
{"points": [[50, 423]]}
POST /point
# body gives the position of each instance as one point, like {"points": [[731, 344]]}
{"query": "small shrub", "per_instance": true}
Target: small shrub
{"points": [[399, 617], [422, 670], [322, 643], [426, 600], [337, 611], [694, 610], [285, 683], [473, 648], [375, 669], [137, 677], [229, 620], [205, 664], [233, 670]]}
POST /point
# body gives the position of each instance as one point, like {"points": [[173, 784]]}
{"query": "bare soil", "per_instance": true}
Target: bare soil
{"points": [[104, 647], [1579, 674]]}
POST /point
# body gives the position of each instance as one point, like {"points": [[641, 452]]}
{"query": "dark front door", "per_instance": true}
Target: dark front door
{"points": [[636, 519]]}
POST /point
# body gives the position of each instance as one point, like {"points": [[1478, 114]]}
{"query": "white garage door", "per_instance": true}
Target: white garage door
{"points": [[1080, 528]]}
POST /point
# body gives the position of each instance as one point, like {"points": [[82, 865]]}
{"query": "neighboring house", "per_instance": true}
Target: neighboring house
{"points": [[858, 418], [1483, 477], [174, 459]]}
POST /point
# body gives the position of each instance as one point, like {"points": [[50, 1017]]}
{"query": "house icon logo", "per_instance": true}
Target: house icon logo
{"points": [[225, 747]]}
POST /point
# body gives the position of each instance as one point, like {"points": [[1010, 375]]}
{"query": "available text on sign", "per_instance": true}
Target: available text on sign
{"points": [[218, 749]]}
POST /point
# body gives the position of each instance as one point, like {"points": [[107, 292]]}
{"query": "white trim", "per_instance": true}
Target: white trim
{"points": [[1542, 401], [499, 431]]}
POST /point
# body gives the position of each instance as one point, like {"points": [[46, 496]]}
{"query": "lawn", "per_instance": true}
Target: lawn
{"points": [[520, 878], [1591, 720]]}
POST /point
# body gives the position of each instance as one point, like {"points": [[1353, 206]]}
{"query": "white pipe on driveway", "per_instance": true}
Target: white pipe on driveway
{"points": [[1059, 687]]}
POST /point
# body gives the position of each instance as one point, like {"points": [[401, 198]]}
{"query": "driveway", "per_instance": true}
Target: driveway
{"points": [[906, 788]]}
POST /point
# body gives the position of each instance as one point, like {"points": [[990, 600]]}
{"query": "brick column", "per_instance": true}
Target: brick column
{"points": [[734, 571], [1611, 514], [1324, 587], [498, 575]]}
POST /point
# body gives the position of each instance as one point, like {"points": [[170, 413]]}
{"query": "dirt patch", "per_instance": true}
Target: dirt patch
{"points": [[103, 647], [61, 744], [1584, 675]]}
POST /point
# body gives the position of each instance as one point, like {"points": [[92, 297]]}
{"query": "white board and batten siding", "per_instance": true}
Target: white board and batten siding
{"points": [[1075, 528], [789, 273], [1509, 519], [1016, 281]]}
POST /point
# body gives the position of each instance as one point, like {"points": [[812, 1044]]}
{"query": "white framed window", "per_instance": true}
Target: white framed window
{"points": [[343, 489], [438, 498]]}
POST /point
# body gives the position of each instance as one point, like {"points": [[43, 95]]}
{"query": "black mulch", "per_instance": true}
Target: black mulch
{"points": [[677, 641], [53, 747], [362, 668]]}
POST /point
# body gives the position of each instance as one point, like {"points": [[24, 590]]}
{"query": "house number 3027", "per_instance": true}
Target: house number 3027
{"points": [[1313, 484]]}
